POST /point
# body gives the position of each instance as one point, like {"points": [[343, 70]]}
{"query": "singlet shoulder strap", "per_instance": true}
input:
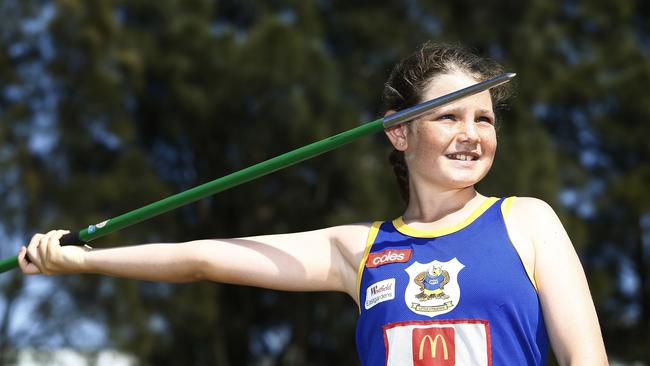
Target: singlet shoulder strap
{"points": [[505, 209], [372, 235]]}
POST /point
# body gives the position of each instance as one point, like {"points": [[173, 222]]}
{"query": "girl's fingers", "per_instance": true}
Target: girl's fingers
{"points": [[42, 254], [32, 250], [25, 265], [44, 244], [22, 261], [47, 250], [60, 233], [53, 245]]}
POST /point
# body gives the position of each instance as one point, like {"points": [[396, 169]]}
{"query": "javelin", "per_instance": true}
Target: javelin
{"points": [[266, 167]]}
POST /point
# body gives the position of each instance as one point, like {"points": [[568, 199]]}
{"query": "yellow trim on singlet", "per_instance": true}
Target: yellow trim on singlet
{"points": [[505, 208], [372, 235], [403, 228]]}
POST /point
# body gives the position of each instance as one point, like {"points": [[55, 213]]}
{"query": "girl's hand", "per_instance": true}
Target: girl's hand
{"points": [[45, 255]]}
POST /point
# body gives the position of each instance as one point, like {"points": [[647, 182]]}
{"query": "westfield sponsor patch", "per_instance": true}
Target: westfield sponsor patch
{"points": [[388, 256], [379, 292]]}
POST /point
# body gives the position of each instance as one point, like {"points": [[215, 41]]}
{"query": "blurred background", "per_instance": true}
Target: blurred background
{"points": [[106, 106]]}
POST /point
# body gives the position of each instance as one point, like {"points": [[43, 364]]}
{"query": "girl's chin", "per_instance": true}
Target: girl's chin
{"points": [[465, 175], [463, 181], [454, 178], [462, 185]]}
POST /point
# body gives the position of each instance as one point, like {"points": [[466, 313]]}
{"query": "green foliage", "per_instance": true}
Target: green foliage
{"points": [[116, 104]]}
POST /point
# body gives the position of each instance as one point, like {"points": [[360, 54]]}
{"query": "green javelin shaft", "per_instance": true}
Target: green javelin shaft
{"points": [[218, 185], [264, 168]]}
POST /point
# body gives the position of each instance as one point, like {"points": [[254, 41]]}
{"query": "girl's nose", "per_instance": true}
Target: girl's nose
{"points": [[468, 132]]}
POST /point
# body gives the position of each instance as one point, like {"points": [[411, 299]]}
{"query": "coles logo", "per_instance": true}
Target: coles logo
{"points": [[388, 256]]}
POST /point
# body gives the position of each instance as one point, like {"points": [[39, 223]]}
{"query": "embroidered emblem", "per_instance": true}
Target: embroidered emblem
{"points": [[433, 287], [432, 283]]}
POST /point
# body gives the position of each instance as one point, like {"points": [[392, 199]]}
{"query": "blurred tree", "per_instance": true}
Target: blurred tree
{"points": [[115, 104], [25, 113]]}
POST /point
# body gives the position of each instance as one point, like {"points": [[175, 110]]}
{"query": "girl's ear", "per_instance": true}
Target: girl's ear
{"points": [[397, 134]]}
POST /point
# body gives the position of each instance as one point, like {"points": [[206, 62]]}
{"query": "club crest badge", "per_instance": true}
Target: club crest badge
{"points": [[433, 287]]}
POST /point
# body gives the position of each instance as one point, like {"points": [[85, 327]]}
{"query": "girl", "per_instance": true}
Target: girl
{"points": [[459, 278]]}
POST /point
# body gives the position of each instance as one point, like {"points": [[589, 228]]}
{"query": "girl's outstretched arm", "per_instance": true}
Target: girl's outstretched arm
{"points": [[324, 259]]}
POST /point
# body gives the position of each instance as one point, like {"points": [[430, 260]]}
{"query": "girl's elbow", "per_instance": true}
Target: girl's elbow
{"points": [[197, 264], [586, 357]]}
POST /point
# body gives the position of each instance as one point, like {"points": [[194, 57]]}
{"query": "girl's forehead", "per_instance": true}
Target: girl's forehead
{"points": [[443, 84]]}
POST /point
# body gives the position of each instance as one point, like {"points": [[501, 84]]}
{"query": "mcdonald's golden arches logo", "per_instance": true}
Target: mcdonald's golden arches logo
{"points": [[438, 343], [434, 346]]}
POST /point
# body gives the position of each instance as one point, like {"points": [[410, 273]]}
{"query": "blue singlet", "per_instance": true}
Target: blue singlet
{"points": [[456, 296]]}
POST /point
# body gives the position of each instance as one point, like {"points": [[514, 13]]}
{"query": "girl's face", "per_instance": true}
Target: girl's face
{"points": [[452, 147]]}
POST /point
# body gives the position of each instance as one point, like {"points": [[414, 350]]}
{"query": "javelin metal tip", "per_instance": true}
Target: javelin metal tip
{"points": [[415, 111]]}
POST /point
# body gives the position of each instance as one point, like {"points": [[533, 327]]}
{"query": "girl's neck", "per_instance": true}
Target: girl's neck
{"points": [[436, 205]]}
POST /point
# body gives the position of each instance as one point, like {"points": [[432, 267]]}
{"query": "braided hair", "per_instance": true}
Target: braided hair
{"points": [[410, 77]]}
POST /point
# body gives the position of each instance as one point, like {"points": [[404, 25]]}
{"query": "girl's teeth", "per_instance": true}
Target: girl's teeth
{"points": [[460, 157]]}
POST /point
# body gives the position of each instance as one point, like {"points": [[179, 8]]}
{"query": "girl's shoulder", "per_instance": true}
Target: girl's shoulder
{"points": [[530, 203], [351, 237], [530, 212], [533, 220], [528, 220]]}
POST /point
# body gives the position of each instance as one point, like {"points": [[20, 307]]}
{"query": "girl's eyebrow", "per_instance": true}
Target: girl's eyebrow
{"points": [[448, 109], [485, 111], [439, 111]]}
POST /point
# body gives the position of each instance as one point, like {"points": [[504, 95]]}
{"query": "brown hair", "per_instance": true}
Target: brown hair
{"points": [[409, 78]]}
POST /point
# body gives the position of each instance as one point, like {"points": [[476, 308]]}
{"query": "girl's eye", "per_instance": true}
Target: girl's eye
{"points": [[447, 117], [486, 119]]}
